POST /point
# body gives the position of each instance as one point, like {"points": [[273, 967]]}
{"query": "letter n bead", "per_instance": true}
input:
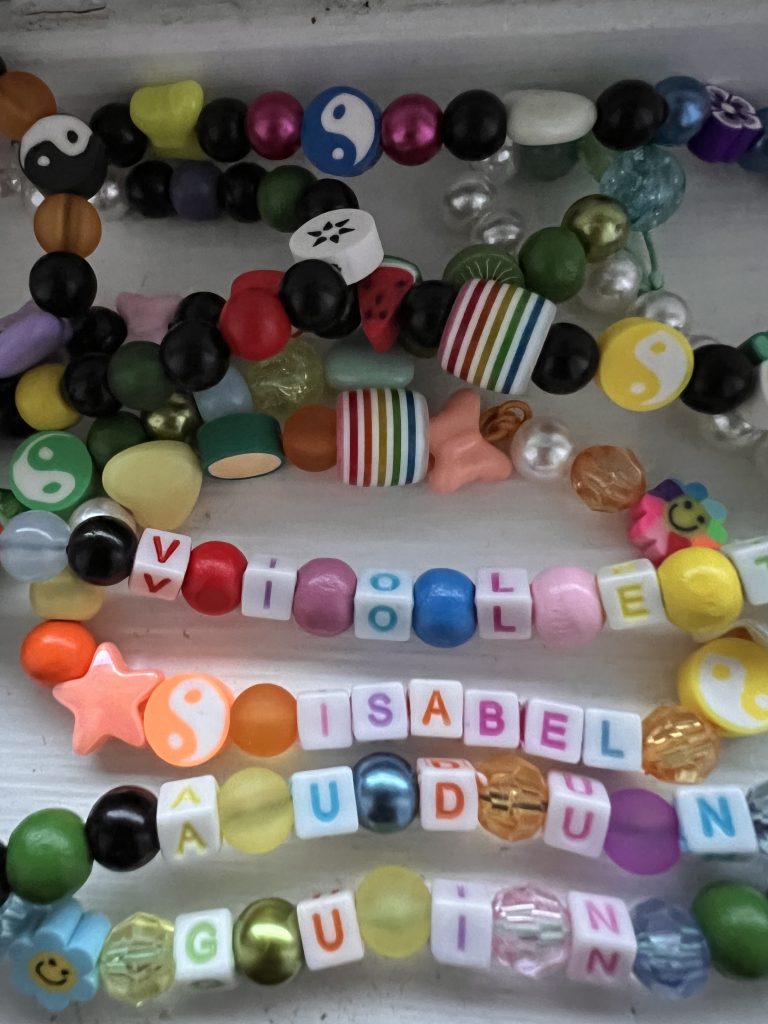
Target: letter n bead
{"points": [[715, 821], [324, 802], [202, 950], [188, 819], [504, 604], [160, 564], [603, 944], [448, 800], [383, 605], [578, 814], [330, 935], [462, 924]]}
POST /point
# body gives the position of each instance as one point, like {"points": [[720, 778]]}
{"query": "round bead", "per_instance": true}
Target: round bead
{"points": [[487, 262], [273, 125], [644, 364], [67, 223], [48, 857], [24, 99], [734, 919], [194, 355], [124, 142], [33, 546], [240, 445], [649, 183], [512, 797], [629, 113], [291, 379], [567, 361], [757, 799], [502, 228], [113, 434], [186, 719], [541, 449], [267, 943], [323, 603], [340, 132], [411, 129], [256, 810], [220, 130], [52, 471], [554, 263], [465, 200], [348, 319], [323, 196], [86, 388], [60, 153], [474, 125], [688, 107], [214, 579], [313, 295], [199, 307], [101, 551], [723, 377], [501, 167], [309, 438], [531, 931], [678, 745], [728, 432], [62, 283], [239, 192], [701, 591], [137, 377], [66, 597], [607, 478], [136, 962], [394, 911], [194, 190], [547, 163], [666, 307], [100, 330], [177, 419], [672, 953], [263, 720], [54, 652], [725, 682], [643, 835], [122, 828], [600, 224], [102, 507], [12, 425], [386, 792], [567, 611], [611, 286], [148, 189], [279, 193], [255, 324], [111, 201], [40, 401], [423, 314], [444, 608]]}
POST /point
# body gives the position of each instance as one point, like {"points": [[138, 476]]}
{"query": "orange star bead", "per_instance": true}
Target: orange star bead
{"points": [[107, 701], [460, 452]]}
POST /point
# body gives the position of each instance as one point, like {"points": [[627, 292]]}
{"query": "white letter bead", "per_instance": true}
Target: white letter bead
{"points": [[715, 820], [631, 595], [462, 924], [379, 712], [160, 564], [383, 605], [603, 944], [504, 604], [268, 586], [751, 560], [202, 950], [324, 720], [553, 729], [347, 239], [491, 719], [188, 819], [578, 814], [324, 802], [329, 931], [613, 740], [437, 707], [448, 800]]}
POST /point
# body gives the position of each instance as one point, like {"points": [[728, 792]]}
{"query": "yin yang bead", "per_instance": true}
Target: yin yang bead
{"points": [[60, 153]]}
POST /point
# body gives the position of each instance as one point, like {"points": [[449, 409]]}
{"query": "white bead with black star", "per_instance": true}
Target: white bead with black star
{"points": [[347, 239], [60, 153]]}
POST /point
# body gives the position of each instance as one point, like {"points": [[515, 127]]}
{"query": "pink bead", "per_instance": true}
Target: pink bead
{"points": [[324, 600], [531, 931], [567, 612], [410, 129], [273, 125]]}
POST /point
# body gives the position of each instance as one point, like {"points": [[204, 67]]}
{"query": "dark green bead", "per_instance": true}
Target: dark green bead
{"points": [[756, 347], [734, 919], [547, 163], [279, 194], [10, 505], [48, 857], [137, 378], [554, 263], [112, 434]]}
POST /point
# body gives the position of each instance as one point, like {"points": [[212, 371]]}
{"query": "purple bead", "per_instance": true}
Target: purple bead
{"points": [[644, 835], [324, 601], [410, 129], [28, 336], [729, 131], [273, 125], [195, 190]]}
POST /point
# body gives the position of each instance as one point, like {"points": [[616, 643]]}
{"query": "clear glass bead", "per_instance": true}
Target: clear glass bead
{"points": [[672, 953], [531, 931], [500, 167], [499, 226], [728, 431], [465, 200], [648, 181]]}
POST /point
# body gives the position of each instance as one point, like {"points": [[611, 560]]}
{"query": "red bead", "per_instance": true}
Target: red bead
{"points": [[273, 125], [254, 324], [266, 280], [214, 580], [410, 129]]}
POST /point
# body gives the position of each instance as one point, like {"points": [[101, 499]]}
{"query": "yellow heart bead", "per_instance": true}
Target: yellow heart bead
{"points": [[726, 681], [39, 399], [644, 364], [167, 114], [701, 591], [66, 597]]}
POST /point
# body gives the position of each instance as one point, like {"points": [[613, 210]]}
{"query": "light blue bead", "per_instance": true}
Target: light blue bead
{"points": [[33, 546], [672, 954], [444, 608], [340, 131], [756, 158], [649, 182], [386, 792], [688, 106], [231, 394], [17, 917]]}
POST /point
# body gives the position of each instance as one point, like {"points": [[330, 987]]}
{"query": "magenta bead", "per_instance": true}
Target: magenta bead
{"points": [[410, 129], [273, 125], [567, 611], [324, 600], [644, 835]]}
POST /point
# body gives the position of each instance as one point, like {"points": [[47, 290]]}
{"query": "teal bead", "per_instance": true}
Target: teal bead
{"points": [[649, 182], [547, 163], [354, 364]]}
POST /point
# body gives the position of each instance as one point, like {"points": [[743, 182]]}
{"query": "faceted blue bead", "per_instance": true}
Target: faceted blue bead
{"points": [[649, 182], [672, 953], [688, 107], [756, 159]]}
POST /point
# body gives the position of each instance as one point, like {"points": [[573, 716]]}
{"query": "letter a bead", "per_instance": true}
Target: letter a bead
{"points": [[448, 794], [578, 814], [202, 950], [462, 924], [603, 944], [437, 707], [160, 564], [330, 935], [188, 819]]}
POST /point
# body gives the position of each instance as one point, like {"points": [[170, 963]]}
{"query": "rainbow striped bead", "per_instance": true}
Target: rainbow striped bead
{"points": [[382, 437], [494, 335]]}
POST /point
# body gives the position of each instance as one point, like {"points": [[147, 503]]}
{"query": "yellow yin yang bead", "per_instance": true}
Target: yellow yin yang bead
{"points": [[701, 592], [726, 681], [644, 364]]}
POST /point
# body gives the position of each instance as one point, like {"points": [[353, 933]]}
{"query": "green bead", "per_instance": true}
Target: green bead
{"points": [[279, 192], [354, 364], [601, 225], [266, 942], [177, 419], [292, 378], [756, 348], [51, 470], [48, 857], [241, 445], [734, 919], [486, 262], [136, 377], [10, 506], [596, 157], [554, 263], [112, 434], [547, 163], [136, 962]]}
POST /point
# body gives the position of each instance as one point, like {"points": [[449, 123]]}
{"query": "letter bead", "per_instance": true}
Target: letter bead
{"points": [[330, 934], [491, 719], [751, 560], [504, 604], [383, 605], [603, 944], [613, 740], [160, 564], [437, 708], [462, 924], [324, 720], [202, 950], [448, 795], [631, 595], [553, 729], [324, 802], [715, 821], [188, 819], [578, 814], [269, 584], [379, 712]]}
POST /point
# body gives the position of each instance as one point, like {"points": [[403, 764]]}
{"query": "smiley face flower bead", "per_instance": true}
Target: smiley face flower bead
{"points": [[673, 516]]}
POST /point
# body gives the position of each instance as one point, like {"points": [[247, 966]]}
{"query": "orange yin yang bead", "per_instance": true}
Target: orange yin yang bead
{"points": [[24, 99], [513, 797], [67, 223]]}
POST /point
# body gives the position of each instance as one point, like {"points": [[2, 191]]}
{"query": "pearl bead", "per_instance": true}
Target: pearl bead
{"points": [[111, 200], [500, 167], [611, 286], [410, 129], [102, 507], [465, 200], [273, 125], [728, 431], [666, 307], [386, 792], [503, 227], [541, 449]]}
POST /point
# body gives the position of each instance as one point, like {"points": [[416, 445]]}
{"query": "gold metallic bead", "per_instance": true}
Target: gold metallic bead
{"points": [[513, 797], [175, 420], [600, 223], [266, 942], [136, 963], [678, 745]]}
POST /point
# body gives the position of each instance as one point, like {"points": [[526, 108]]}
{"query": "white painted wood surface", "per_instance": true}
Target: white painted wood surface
{"points": [[712, 253]]}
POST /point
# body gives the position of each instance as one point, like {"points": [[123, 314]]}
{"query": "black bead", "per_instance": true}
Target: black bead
{"points": [[194, 355], [629, 113], [125, 143], [239, 192], [347, 321], [3, 66], [63, 283], [11, 423], [422, 315], [723, 378], [84, 385], [100, 330], [5, 889], [220, 130], [325, 195], [314, 295], [567, 361], [101, 550], [474, 125], [121, 829], [148, 188], [202, 307]]}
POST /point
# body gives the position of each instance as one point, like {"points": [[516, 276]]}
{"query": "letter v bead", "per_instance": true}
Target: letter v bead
{"points": [[160, 564]]}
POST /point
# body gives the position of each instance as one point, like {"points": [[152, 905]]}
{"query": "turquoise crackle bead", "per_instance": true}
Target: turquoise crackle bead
{"points": [[649, 182]]}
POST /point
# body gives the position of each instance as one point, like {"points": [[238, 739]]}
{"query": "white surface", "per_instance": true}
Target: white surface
{"points": [[713, 253]]}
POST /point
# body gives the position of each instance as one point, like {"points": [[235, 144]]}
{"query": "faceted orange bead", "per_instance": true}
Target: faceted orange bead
{"points": [[513, 797], [263, 720], [67, 223], [607, 478], [678, 745], [24, 99]]}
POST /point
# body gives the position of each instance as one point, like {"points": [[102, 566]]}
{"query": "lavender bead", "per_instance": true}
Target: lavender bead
{"points": [[324, 601], [28, 336], [730, 130], [195, 190], [644, 835]]}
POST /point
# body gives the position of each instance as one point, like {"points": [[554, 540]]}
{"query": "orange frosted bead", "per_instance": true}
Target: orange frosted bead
{"points": [[678, 745], [263, 720], [24, 99], [513, 797], [67, 223], [56, 651], [309, 438], [607, 478]]}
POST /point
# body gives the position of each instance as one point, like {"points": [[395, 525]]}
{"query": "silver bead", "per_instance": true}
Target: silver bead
{"points": [[728, 431], [666, 307], [502, 227], [111, 200], [541, 449], [500, 167], [102, 507], [611, 286], [465, 200]]}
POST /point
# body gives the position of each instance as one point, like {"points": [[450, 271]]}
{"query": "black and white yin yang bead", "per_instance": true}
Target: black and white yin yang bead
{"points": [[60, 153]]}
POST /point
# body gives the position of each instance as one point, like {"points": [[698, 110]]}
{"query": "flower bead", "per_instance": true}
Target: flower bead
{"points": [[675, 515], [730, 130]]}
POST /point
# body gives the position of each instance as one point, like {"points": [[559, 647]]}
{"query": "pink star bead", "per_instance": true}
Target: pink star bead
{"points": [[147, 316], [460, 452]]}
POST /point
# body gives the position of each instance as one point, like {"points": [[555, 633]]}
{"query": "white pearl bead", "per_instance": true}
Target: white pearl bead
{"points": [[541, 449], [500, 167], [728, 431], [611, 286], [666, 307], [465, 200], [502, 227], [102, 507], [111, 200]]}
